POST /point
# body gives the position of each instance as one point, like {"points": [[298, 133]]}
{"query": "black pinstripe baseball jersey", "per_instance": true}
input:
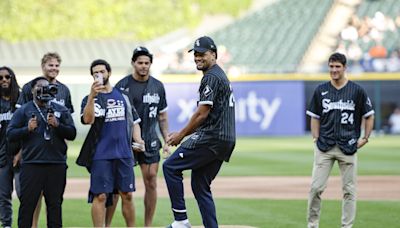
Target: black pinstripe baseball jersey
{"points": [[215, 90], [63, 96], [340, 112], [149, 100]]}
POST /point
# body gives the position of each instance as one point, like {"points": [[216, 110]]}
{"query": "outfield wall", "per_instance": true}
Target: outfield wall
{"points": [[270, 104], [262, 108]]}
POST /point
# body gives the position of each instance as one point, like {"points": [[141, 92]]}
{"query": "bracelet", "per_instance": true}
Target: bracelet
{"points": [[365, 138]]}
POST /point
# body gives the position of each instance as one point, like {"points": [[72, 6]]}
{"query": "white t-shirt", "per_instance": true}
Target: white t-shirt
{"points": [[394, 121]]}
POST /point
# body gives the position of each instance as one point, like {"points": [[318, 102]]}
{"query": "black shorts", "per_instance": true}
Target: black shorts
{"points": [[141, 158]]}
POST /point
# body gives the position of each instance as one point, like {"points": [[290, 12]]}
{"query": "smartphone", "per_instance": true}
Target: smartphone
{"points": [[100, 78]]}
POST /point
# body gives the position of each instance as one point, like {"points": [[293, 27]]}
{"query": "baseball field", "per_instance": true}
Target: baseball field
{"points": [[265, 185]]}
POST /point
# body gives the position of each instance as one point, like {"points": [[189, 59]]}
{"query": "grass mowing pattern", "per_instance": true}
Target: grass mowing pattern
{"points": [[285, 156], [254, 212]]}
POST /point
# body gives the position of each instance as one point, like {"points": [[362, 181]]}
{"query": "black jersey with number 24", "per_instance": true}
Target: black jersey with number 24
{"points": [[340, 112]]}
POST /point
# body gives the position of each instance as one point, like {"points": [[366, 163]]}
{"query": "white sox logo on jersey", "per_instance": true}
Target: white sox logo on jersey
{"points": [[339, 105], [207, 91]]}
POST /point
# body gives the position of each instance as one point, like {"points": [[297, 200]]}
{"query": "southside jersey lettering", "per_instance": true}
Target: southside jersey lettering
{"points": [[340, 113]]}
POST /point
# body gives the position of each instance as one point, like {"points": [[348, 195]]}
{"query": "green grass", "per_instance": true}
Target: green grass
{"points": [[288, 156], [255, 212], [267, 156]]}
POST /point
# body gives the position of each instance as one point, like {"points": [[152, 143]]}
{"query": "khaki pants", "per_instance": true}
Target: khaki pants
{"points": [[323, 163]]}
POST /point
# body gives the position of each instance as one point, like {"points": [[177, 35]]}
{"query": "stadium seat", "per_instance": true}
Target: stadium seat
{"points": [[274, 38]]}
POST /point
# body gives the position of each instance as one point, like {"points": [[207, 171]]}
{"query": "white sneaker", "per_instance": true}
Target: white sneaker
{"points": [[180, 224]]}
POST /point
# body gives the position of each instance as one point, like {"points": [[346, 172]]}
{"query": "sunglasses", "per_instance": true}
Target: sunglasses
{"points": [[5, 76]]}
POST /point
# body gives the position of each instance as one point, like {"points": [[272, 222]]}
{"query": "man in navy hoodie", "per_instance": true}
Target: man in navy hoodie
{"points": [[42, 127]]}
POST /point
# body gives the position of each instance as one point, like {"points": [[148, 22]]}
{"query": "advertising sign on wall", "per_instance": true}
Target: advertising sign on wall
{"points": [[262, 108]]}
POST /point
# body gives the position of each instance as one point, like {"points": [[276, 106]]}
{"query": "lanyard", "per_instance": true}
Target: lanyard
{"points": [[46, 133], [40, 112]]}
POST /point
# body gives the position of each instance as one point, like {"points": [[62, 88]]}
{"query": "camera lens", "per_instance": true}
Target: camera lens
{"points": [[52, 89]]}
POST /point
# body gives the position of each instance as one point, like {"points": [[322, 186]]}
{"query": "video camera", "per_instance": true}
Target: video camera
{"points": [[47, 93]]}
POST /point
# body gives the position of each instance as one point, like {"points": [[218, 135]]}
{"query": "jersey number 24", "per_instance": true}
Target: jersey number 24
{"points": [[347, 118]]}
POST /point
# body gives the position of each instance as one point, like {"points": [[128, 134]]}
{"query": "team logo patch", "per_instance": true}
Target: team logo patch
{"points": [[351, 141], [207, 91], [369, 102], [195, 137], [197, 43]]}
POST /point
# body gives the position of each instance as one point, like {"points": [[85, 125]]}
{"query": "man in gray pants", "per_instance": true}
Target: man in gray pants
{"points": [[337, 109]]}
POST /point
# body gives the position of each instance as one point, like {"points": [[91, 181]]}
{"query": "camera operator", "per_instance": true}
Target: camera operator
{"points": [[42, 127], [50, 64]]}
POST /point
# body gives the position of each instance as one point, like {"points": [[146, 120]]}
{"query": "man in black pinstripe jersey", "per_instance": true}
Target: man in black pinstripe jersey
{"points": [[337, 109], [211, 139]]}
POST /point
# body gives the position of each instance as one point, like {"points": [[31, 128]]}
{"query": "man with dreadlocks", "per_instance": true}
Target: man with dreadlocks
{"points": [[9, 152]]}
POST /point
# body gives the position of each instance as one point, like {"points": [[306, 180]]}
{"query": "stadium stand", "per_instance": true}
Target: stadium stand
{"points": [[275, 38], [371, 37], [74, 53]]}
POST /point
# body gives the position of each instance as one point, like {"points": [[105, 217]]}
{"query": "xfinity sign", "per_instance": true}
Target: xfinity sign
{"points": [[261, 108]]}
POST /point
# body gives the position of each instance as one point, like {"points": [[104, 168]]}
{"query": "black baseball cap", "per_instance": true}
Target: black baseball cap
{"points": [[139, 51], [204, 44]]}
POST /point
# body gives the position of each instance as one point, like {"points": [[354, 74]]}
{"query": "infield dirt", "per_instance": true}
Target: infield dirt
{"points": [[369, 187]]}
